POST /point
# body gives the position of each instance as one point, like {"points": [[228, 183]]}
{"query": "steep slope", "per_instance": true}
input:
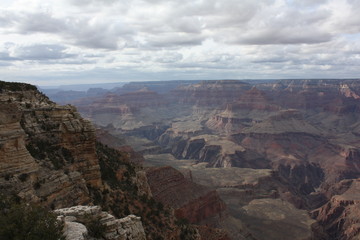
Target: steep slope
{"points": [[190, 200], [47, 137], [210, 93], [340, 215], [248, 107], [49, 156]]}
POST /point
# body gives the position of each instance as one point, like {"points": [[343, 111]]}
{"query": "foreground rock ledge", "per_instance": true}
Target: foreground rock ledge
{"points": [[75, 219]]}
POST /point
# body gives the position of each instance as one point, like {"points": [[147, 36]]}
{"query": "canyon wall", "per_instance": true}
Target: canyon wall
{"points": [[49, 156]]}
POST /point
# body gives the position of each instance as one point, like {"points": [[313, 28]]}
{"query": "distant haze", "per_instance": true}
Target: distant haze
{"points": [[93, 41]]}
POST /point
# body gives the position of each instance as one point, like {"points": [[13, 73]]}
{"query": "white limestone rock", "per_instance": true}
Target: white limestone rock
{"points": [[128, 228], [75, 231]]}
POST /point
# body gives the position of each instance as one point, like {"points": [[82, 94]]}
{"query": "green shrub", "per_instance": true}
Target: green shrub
{"points": [[94, 226], [23, 177], [15, 86], [27, 222]]}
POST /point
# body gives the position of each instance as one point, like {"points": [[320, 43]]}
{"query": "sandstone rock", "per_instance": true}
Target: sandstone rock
{"points": [[191, 201], [340, 216], [14, 157], [211, 93], [37, 139]]}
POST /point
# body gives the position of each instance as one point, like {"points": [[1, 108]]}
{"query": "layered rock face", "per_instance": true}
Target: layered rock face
{"points": [[340, 215], [190, 200], [236, 115], [210, 93], [38, 136], [14, 156], [313, 94], [125, 104]]}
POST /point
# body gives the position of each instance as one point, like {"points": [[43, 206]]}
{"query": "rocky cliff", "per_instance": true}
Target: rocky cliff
{"points": [[191, 201], [210, 93], [340, 216], [38, 139], [49, 155]]}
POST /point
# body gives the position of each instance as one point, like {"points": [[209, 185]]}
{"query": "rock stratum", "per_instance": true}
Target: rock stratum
{"points": [[304, 134], [50, 156]]}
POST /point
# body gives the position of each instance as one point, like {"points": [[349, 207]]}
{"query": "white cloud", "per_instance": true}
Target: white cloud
{"points": [[180, 38]]}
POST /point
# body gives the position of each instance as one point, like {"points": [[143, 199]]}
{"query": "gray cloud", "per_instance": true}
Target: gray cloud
{"points": [[41, 52], [5, 56], [142, 39], [5, 64], [6, 18], [99, 34], [290, 27], [40, 22], [82, 31], [284, 36], [169, 58], [91, 2], [174, 39]]}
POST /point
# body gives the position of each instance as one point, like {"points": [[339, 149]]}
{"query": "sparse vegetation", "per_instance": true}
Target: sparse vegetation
{"points": [[21, 221], [7, 177], [188, 232], [23, 177], [42, 149], [112, 162], [15, 86], [94, 226], [123, 198], [38, 184]]}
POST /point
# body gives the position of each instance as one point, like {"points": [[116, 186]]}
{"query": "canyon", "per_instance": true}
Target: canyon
{"points": [[279, 155], [50, 157], [217, 160]]}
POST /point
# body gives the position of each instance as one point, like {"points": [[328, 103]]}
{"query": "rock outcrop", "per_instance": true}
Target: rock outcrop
{"points": [[211, 93], [340, 216], [191, 201], [37, 136], [76, 218]]}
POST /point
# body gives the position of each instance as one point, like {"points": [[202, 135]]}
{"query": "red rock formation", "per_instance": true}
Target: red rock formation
{"points": [[191, 201], [299, 148], [340, 216], [212, 233], [255, 99], [126, 103], [235, 117], [321, 95], [210, 93], [117, 143]]}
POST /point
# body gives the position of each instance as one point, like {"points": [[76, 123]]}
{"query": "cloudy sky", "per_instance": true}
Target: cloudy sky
{"points": [[51, 42]]}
